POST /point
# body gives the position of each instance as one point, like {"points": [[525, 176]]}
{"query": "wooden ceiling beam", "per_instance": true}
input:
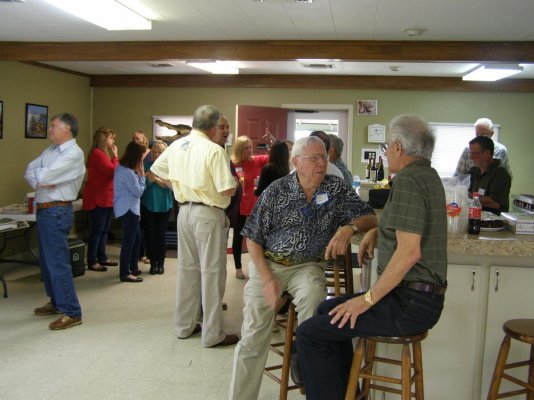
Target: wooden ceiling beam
{"points": [[281, 50], [313, 82]]}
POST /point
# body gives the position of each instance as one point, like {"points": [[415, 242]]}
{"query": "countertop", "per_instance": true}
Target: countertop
{"points": [[502, 243]]}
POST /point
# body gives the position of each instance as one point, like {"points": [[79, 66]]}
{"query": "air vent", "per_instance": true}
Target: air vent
{"points": [[160, 65], [319, 66]]}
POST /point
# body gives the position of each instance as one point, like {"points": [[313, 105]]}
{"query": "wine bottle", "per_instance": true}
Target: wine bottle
{"points": [[368, 170], [373, 171], [380, 172]]}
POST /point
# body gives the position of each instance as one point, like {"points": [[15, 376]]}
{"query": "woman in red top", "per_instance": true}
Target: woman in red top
{"points": [[98, 197], [248, 168]]}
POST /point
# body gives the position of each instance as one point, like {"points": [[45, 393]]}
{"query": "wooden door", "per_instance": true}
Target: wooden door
{"points": [[253, 121]]}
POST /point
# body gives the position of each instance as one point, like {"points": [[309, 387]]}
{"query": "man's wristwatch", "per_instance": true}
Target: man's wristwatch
{"points": [[368, 298]]}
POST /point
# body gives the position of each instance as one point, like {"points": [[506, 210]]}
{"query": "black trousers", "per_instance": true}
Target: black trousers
{"points": [[155, 229], [325, 351], [237, 241]]}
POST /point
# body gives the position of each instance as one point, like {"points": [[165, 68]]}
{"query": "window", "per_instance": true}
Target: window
{"points": [[451, 140], [303, 127]]}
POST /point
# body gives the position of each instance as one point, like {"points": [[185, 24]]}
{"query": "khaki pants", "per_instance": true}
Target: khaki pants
{"points": [[306, 283], [201, 273]]}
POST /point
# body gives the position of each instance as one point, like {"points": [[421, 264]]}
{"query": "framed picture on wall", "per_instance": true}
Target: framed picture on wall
{"points": [[1, 119], [367, 107], [36, 121]]}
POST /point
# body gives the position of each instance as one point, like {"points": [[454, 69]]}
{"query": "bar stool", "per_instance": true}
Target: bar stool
{"points": [[289, 324], [366, 349], [342, 263], [522, 330]]}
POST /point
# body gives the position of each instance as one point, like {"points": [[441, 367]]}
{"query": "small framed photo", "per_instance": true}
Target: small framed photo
{"points": [[36, 121], [1, 119], [367, 107]]}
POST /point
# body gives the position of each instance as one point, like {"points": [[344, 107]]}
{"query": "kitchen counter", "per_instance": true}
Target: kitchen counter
{"points": [[501, 243]]}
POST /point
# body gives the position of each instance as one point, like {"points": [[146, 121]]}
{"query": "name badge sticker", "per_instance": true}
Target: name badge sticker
{"points": [[481, 191], [321, 198]]}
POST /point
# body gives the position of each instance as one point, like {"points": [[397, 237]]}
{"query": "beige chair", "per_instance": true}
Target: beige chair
{"points": [[522, 330], [364, 365]]}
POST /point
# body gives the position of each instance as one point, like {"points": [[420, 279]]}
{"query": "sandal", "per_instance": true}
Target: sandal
{"points": [[97, 268]]}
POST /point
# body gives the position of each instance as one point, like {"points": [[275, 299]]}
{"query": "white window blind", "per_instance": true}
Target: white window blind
{"points": [[451, 140]]}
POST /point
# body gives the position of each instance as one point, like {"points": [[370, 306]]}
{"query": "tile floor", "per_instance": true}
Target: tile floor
{"points": [[126, 347]]}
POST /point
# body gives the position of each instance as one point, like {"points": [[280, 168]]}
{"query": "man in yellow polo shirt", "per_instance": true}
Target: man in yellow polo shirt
{"points": [[199, 170]]}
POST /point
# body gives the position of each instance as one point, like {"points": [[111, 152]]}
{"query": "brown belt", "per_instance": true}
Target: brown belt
{"points": [[423, 287], [198, 203], [42, 206]]}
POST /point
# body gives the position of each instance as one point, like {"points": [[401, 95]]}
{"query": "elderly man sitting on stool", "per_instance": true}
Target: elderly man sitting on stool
{"points": [[294, 220], [407, 298]]}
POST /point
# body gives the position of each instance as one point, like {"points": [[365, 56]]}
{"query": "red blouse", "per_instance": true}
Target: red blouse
{"points": [[98, 191], [250, 170]]}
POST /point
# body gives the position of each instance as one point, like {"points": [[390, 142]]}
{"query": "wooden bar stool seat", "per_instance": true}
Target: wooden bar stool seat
{"points": [[523, 331], [365, 353]]}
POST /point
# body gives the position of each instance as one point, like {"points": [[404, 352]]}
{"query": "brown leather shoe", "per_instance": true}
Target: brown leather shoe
{"points": [[228, 341], [47, 309], [64, 322]]}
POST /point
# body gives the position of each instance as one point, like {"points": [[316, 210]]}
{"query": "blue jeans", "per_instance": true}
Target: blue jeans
{"points": [[325, 351], [131, 239], [100, 221], [53, 226]]}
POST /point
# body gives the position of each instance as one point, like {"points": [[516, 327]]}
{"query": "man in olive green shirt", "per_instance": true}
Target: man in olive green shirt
{"points": [[408, 296]]}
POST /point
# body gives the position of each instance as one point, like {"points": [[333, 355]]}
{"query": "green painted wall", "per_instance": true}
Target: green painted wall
{"points": [[20, 84], [127, 109]]}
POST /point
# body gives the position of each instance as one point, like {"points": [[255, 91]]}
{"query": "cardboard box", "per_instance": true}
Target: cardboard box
{"points": [[519, 223]]}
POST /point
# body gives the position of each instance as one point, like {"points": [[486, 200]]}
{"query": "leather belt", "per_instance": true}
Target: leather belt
{"points": [[198, 203], [423, 287], [50, 204]]}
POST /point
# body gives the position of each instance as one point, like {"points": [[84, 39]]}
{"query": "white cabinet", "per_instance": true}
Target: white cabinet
{"points": [[510, 296], [451, 352]]}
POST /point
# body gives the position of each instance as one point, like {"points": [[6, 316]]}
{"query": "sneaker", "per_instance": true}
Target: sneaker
{"points": [[239, 274], [47, 309], [65, 322]]}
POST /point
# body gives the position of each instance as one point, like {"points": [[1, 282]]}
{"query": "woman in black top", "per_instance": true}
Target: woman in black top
{"points": [[277, 167]]}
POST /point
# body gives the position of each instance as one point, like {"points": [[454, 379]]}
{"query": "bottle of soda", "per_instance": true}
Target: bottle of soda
{"points": [[368, 170], [475, 211]]}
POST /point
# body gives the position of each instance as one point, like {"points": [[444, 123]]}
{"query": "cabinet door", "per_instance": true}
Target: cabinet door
{"points": [[510, 296], [451, 352]]}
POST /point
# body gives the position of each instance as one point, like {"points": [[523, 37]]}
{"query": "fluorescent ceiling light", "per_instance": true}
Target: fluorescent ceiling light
{"points": [[490, 73], [216, 67], [108, 14]]}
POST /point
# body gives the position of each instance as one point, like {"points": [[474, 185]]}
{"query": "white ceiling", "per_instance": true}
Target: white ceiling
{"points": [[185, 20]]}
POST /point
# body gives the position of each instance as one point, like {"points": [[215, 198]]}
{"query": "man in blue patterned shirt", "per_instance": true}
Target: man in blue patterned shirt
{"points": [[298, 222]]}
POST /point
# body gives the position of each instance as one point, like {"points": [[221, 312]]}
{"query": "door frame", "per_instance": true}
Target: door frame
{"points": [[332, 107]]}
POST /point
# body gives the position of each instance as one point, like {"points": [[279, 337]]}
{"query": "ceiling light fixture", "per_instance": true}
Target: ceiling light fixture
{"points": [[304, 1], [108, 14], [491, 73], [216, 67]]}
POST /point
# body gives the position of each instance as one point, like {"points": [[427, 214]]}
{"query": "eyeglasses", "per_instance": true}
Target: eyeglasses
{"points": [[315, 158]]}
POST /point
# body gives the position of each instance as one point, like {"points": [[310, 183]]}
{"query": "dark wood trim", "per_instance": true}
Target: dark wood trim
{"points": [[281, 50], [312, 82], [54, 68]]}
